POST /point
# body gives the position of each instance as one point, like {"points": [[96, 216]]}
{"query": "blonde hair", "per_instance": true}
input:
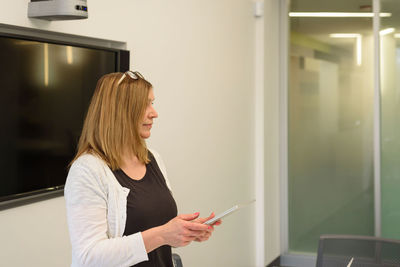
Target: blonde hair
{"points": [[112, 123]]}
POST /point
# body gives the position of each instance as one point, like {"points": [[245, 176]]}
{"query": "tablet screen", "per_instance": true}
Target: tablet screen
{"points": [[228, 211]]}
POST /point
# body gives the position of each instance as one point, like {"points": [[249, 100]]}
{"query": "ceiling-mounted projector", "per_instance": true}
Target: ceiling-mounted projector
{"points": [[58, 9]]}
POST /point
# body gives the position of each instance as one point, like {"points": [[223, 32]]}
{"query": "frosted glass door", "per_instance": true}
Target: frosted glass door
{"points": [[330, 124], [390, 119]]}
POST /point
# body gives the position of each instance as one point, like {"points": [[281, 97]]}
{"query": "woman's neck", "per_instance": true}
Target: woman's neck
{"points": [[129, 159], [134, 168]]}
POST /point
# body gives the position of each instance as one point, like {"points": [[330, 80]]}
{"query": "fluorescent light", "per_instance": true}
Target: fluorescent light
{"points": [[358, 38], [386, 31], [337, 14], [359, 49], [344, 35]]}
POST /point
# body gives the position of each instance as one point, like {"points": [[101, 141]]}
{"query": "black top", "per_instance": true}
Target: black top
{"points": [[149, 204]]}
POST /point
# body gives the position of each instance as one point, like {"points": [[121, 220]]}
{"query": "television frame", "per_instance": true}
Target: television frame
{"points": [[31, 34]]}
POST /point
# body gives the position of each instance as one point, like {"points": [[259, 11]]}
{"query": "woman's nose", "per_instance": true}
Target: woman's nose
{"points": [[153, 113]]}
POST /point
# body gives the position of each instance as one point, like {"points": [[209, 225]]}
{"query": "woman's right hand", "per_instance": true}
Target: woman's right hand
{"points": [[182, 230]]}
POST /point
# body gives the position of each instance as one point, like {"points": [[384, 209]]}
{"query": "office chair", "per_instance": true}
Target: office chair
{"points": [[176, 260], [366, 251]]}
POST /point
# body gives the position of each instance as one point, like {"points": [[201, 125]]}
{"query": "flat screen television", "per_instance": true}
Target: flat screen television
{"points": [[45, 89]]}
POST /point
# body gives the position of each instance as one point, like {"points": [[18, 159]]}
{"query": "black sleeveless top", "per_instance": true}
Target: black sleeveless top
{"points": [[149, 204]]}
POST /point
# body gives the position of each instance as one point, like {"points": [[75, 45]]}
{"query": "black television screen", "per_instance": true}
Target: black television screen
{"points": [[44, 95]]}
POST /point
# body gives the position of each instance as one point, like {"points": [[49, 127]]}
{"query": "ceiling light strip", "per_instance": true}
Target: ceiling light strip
{"points": [[337, 14]]}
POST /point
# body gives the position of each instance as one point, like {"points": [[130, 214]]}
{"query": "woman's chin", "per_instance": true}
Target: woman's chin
{"points": [[145, 135]]}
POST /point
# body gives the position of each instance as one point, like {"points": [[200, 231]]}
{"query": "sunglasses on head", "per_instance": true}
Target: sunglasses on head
{"points": [[133, 74]]}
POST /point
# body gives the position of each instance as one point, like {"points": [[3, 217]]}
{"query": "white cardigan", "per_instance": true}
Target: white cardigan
{"points": [[96, 213]]}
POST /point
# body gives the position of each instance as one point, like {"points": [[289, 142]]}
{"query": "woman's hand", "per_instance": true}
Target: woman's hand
{"points": [[185, 228], [179, 232], [207, 234]]}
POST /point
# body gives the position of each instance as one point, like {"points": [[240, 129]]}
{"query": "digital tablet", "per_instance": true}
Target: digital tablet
{"points": [[228, 211]]}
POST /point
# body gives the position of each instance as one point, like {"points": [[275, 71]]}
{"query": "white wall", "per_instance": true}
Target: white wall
{"points": [[35, 235], [199, 57], [272, 131]]}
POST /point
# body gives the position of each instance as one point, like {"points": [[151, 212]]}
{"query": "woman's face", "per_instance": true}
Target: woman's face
{"points": [[150, 114]]}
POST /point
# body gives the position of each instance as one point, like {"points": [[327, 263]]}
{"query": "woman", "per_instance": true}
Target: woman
{"points": [[119, 206]]}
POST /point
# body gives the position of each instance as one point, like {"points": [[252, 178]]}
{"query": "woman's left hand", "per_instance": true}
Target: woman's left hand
{"points": [[207, 234]]}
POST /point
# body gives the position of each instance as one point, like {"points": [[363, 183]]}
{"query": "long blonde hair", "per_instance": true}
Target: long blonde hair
{"points": [[112, 123]]}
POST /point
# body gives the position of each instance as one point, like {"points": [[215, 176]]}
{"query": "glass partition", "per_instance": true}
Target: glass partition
{"points": [[390, 114], [330, 121]]}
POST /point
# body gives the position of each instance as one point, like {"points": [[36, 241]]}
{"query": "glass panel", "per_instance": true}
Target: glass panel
{"points": [[330, 123], [390, 114]]}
